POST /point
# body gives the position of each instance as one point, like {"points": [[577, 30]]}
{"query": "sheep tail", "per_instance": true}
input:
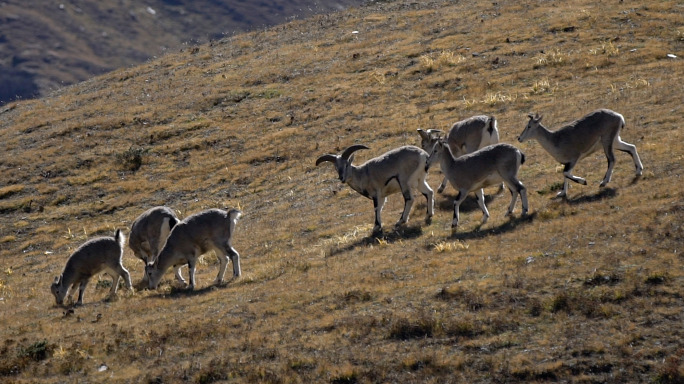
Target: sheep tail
{"points": [[120, 238]]}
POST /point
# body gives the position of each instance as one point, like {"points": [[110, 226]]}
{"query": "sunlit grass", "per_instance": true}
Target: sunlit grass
{"points": [[584, 289]]}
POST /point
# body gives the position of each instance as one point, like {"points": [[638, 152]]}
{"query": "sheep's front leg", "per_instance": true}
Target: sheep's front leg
{"points": [[81, 290], [442, 186], [567, 174]]}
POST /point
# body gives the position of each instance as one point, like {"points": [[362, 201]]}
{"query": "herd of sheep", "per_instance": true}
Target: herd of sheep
{"points": [[470, 157]]}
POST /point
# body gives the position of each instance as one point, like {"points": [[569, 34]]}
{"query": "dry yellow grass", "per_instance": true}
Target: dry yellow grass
{"points": [[585, 290]]}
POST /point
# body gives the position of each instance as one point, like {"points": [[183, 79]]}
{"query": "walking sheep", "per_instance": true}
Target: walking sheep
{"points": [[580, 138], [398, 170], [196, 235], [148, 234], [465, 136], [94, 256], [472, 172]]}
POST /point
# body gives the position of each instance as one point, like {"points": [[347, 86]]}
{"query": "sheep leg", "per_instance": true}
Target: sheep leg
{"points": [[115, 284], [123, 272], [179, 277], [457, 203], [517, 188], [378, 204], [408, 203], [442, 186], [567, 173], [425, 189], [81, 289], [223, 260], [631, 149], [235, 259], [481, 202], [191, 265], [610, 156]]}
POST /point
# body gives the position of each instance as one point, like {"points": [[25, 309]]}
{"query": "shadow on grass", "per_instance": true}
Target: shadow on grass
{"points": [[177, 292], [602, 194], [508, 226], [445, 202], [384, 237]]}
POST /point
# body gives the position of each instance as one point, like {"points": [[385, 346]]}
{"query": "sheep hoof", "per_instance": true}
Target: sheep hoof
{"points": [[428, 220]]}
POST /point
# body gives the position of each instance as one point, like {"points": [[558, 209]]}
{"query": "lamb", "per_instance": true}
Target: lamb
{"points": [[484, 167], [465, 136], [198, 234], [580, 138], [148, 234], [398, 170], [94, 256]]}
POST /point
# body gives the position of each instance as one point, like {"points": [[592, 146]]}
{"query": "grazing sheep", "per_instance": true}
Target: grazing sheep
{"points": [[148, 234], [196, 235], [398, 170], [484, 167], [580, 138], [94, 256], [465, 136]]}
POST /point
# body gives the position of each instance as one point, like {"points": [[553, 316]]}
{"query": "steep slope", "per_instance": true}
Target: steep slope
{"points": [[585, 290]]}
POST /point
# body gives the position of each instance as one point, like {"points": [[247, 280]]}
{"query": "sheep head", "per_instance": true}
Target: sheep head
{"points": [[343, 161]]}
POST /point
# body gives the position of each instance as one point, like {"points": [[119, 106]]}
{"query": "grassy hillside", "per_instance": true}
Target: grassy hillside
{"points": [[584, 290], [45, 45]]}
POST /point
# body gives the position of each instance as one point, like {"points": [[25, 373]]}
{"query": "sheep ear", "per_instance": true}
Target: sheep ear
{"points": [[538, 117], [531, 116], [324, 158], [57, 279]]}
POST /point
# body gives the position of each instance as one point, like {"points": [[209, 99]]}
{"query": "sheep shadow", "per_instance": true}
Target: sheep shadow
{"points": [[508, 226], [178, 292], [602, 194], [403, 232], [446, 203]]}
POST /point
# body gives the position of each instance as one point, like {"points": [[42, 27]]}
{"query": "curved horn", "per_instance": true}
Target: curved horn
{"points": [[324, 158], [431, 131], [347, 152], [531, 116]]}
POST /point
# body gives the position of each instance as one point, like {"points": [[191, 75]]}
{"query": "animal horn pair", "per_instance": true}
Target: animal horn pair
{"points": [[345, 154]]}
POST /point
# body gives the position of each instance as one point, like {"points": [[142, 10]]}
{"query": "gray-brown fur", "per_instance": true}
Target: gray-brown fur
{"points": [[101, 254], [465, 136], [149, 232], [488, 166], [398, 170], [210, 230], [574, 141]]}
